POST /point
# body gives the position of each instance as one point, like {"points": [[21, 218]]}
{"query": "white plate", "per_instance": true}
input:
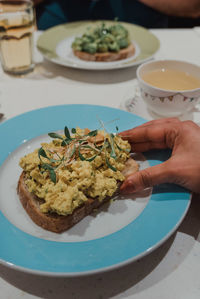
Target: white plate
{"points": [[55, 45], [120, 233]]}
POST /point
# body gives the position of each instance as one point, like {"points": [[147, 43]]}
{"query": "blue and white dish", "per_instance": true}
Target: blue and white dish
{"points": [[120, 233]]}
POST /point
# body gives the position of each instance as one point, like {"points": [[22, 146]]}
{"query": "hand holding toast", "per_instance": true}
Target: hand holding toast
{"points": [[182, 168]]}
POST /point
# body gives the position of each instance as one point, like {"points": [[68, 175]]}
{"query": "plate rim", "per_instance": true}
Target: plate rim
{"points": [[63, 62], [97, 270]]}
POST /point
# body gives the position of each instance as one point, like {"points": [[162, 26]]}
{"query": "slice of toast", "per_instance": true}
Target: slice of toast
{"points": [[107, 56], [58, 223]]}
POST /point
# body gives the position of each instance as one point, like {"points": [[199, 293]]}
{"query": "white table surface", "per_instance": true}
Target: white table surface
{"points": [[170, 272]]}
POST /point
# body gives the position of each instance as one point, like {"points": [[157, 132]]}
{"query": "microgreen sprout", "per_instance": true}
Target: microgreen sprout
{"points": [[78, 145]]}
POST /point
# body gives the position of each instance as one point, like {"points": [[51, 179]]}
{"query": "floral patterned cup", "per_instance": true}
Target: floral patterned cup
{"points": [[168, 103]]}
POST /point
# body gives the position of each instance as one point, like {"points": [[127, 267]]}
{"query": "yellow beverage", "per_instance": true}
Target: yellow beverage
{"points": [[170, 79], [17, 24]]}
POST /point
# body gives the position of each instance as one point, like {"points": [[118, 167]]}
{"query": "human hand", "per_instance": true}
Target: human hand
{"points": [[182, 168]]}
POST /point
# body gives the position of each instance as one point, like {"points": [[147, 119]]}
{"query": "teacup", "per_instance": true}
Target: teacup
{"points": [[166, 102]]}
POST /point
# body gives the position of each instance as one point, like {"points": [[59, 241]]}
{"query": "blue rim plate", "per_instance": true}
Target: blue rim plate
{"points": [[165, 210]]}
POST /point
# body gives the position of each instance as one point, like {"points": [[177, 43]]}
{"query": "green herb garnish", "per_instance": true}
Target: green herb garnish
{"points": [[41, 152], [93, 133], [103, 38], [109, 165], [76, 145], [55, 135], [67, 133]]}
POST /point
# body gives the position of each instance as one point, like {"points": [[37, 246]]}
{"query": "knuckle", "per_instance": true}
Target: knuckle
{"points": [[189, 123], [189, 127], [145, 178], [173, 119], [129, 182], [171, 136]]}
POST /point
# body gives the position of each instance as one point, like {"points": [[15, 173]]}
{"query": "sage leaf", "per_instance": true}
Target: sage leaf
{"points": [[41, 152], [51, 171], [55, 135], [65, 142], [47, 166], [93, 133], [53, 160], [73, 130], [67, 133], [52, 176]]}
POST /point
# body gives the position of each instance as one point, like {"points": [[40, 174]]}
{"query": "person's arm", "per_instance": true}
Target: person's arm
{"points": [[182, 168], [178, 8]]}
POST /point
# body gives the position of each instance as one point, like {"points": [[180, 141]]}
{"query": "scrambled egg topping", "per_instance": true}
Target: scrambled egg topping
{"points": [[66, 173]]}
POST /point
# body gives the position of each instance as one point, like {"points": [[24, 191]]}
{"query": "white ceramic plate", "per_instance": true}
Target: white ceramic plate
{"points": [[118, 234], [55, 45]]}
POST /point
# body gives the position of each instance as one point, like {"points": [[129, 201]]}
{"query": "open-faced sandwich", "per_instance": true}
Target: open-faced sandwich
{"points": [[65, 180], [104, 43]]}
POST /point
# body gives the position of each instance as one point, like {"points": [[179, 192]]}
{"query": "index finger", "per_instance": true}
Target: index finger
{"points": [[160, 121], [153, 133], [144, 134], [156, 122]]}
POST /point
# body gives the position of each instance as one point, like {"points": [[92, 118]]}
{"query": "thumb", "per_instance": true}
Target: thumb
{"points": [[147, 178]]}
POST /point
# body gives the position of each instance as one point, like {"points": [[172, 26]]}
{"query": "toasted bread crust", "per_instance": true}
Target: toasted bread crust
{"points": [[108, 56], [58, 223], [52, 222]]}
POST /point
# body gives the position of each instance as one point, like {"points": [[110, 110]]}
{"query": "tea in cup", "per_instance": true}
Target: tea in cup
{"points": [[169, 87]]}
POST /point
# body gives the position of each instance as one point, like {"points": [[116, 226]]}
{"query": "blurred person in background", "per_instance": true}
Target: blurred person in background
{"points": [[147, 13]]}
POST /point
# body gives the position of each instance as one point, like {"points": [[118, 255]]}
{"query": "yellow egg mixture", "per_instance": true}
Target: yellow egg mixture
{"points": [[69, 170]]}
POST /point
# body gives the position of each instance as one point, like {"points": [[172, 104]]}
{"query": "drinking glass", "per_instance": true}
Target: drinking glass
{"points": [[17, 24]]}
